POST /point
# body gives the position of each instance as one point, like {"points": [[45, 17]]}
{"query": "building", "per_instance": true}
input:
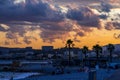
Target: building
{"points": [[47, 48], [4, 50]]}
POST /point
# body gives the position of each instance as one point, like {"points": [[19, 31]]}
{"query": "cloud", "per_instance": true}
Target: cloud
{"points": [[34, 12], [19, 30], [27, 39], [75, 14], [6, 43], [50, 20], [105, 7], [11, 35], [112, 25], [50, 31], [103, 16], [31, 10], [114, 1], [3, 27], [116, 25], [16, 41], [84, 16], [109, 26], [53, 30], [116, 36]]}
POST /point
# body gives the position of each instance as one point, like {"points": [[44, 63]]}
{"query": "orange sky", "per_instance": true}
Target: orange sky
{"points": [[101, 37]]}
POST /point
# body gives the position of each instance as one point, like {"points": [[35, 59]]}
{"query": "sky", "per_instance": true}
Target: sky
{"points": [[39, 23]]}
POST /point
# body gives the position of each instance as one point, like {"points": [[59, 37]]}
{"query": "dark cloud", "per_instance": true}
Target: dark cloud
{"points": [[27, 39], [11, 35], [109, 26], [35, 11], [32, 10], [81, 33], [53, 30], [91, 22], [105, 7], [112, 25], [103, 16], [5, 2], [18, 29], [15, 31], [75, 14], [116, 25], [84, 16]]}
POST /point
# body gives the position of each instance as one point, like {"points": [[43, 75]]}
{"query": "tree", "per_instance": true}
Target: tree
{"points": [[98, 49], [84, 51], [69, 44], [110, 48]]}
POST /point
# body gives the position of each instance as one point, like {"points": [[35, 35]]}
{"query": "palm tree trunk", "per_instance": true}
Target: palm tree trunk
{"points": [[97, 58], [69, 55], [110, 56], [85, 59]]}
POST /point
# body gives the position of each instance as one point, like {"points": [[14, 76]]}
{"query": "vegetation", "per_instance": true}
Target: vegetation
{"points": [[85, 51], [98, 49], [110, 48], [69, 44]]}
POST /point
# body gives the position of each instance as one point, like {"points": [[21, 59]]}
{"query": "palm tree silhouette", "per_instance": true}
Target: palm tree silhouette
{"points": [[110, 48], [98, 49], [84, 51], [69, 44]]}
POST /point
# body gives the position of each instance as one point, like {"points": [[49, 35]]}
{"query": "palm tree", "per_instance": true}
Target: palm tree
{"points": [[98, 49], [84, 51], [69, 44], [110, 48]]}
